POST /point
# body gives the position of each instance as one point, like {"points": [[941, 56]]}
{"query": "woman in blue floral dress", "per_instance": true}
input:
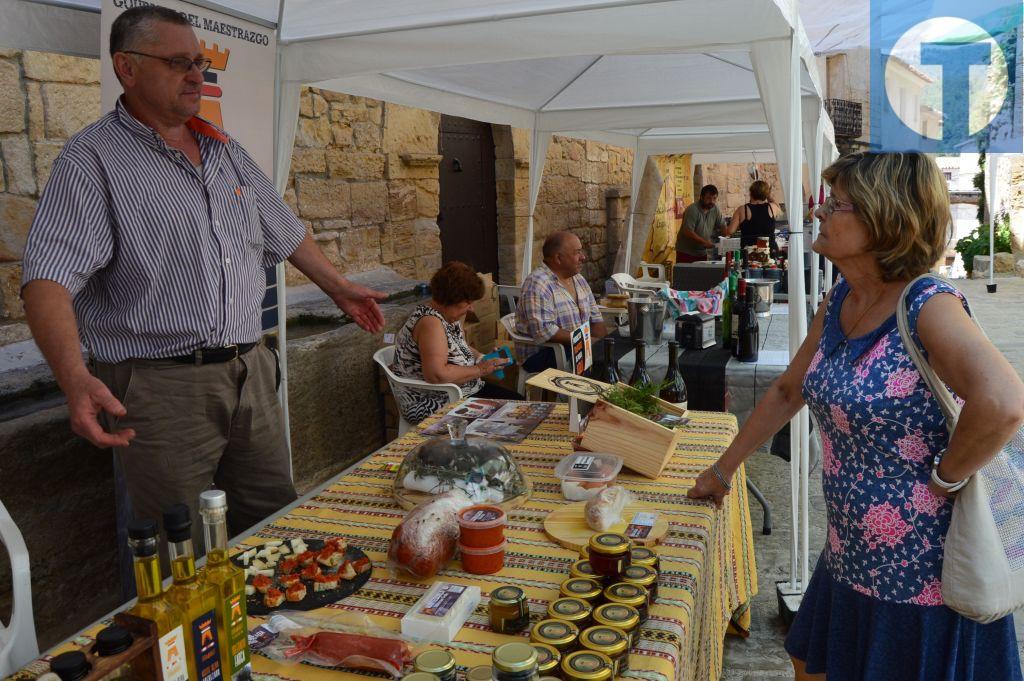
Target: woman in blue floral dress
{"points": [[873, 610]]}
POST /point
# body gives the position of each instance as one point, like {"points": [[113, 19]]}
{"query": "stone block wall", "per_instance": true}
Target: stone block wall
{"points": [[733, 181], [44, 98]]}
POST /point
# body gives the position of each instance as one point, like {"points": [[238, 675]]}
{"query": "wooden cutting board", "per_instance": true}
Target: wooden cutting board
{"points": [[568, 525]]}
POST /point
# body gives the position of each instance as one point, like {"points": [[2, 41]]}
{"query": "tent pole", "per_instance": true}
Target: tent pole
{"points": [[991, 175]]}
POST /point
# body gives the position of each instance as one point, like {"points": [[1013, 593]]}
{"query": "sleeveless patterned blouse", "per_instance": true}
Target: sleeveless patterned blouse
{"points": [[880, 430]]}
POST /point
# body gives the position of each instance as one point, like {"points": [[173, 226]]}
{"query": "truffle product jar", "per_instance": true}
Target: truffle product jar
{"points": [[641, 555], [611, 641], [514, 662], [575, 610], [586, 665], [609, 554], [438, 662], [481, 526], [583, 568], [560, 635], [581, 587], [625, 593], [508, 611], [481, 672], [548, 659], [644, 576], [623, 617]]}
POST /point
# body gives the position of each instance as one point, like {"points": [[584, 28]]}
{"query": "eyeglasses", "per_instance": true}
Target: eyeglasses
{"points": [[834, 205], [179, 64]]}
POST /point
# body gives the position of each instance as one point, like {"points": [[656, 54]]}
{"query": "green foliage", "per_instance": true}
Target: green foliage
{"points": [[642, 400], [976, 243]]}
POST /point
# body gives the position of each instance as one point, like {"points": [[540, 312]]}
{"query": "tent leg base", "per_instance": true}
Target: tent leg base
{"points": [[789, 600], [991, 287]]}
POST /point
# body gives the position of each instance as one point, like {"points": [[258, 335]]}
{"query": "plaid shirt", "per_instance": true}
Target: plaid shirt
{"points": [[545, 307]]}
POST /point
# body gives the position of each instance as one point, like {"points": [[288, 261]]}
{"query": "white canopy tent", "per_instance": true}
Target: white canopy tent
{"points": [[628, 69]]}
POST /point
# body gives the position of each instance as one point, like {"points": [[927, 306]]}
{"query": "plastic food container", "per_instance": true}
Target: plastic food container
{"points": [[481, 526], [483, 561], [584, 474]]}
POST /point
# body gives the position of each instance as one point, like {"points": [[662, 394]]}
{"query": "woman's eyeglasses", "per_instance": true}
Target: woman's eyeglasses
{"points": [[179, 64], [834, 205]]}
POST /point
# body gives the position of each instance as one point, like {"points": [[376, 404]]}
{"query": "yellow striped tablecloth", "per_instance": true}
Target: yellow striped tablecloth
{"points": [[708, 575]]}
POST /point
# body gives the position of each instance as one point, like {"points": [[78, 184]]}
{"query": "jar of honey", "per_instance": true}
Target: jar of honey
{"points": [[581, 587], [514, 662], [609, 554], [583, 568], [558, 634], [586, 665], [575, 610], [644, 576], [625, 593], [623, 617], [481, 672], [641, 555], [548, 659], [507, 610], [611, 641], [438, 662]]}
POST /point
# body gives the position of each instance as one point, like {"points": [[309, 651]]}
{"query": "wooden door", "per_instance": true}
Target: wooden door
{"points": [[468, 216]]}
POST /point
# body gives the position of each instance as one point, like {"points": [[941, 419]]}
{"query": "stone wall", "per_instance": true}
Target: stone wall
{"points": [[733, 182], [44, 98]]}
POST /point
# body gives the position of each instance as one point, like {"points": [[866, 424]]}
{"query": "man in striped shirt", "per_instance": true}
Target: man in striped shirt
{"points": [[150, 245]]}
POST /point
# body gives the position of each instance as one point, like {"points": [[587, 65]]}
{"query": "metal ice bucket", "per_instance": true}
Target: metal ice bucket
{"points": [[646, 319], [764, 295]]}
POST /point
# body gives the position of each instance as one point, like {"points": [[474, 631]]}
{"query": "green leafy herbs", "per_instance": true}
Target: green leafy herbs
{"points": [[642, 400]]}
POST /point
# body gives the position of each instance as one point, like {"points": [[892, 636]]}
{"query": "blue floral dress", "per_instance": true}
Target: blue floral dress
{"points": [[873, 609]]}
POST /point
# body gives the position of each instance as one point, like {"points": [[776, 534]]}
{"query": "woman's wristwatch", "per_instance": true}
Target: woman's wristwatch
{"points": [[949, 487]]}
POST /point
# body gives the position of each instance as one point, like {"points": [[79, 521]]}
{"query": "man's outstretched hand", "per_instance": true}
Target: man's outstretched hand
{"points": [[360, 303], [87, 397]]}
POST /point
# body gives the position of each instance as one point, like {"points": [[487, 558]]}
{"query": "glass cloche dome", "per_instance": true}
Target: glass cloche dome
{"points": [[482, 469]]}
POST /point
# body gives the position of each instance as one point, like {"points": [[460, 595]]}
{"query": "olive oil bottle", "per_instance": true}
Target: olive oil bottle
{"points": [[229, 582], [196, 599], [154, 605]]}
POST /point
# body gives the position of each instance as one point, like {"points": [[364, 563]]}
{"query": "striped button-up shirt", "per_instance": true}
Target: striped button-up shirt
{"points": [[160, 257], [545, 307]]}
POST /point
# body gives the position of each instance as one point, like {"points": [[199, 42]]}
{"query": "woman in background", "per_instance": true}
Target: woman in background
{"points": [[756, 219]]}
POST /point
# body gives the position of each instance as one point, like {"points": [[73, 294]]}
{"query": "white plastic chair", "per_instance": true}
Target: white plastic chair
{"points": [[384, 357], [18, 644], [639, 289], [511, 295], [652, 273], [561, 361]]}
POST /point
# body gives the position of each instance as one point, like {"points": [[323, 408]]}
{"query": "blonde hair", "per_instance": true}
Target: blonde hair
{"points": [[903, 201]]}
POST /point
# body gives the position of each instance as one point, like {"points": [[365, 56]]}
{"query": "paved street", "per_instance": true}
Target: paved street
{"points": [[761, 657]]}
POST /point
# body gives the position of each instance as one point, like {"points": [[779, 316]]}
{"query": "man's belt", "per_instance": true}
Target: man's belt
{"points": [[214, 355]]}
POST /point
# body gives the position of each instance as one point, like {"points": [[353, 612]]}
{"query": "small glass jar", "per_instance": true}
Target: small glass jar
{"points": [[507, 610], [575, 610], [625, 593], [559, 635], [586, 665], [514, 662], [438, 662], [481, 672], [583, 568], [581, 587], [624, 617], [548, 659], [611, 641], [644, 576], [641, 555], [609, 554], [419, 676]]}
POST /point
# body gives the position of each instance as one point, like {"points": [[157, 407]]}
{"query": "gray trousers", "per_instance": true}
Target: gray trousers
{"points": [[197, 427]]}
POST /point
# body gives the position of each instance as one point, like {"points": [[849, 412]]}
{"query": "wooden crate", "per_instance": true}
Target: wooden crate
{"points": [[645, 446]]}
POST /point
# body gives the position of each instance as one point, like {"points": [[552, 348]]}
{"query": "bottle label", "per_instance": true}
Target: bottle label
{"points": [[172, 655], [735, 326], [204, 647], [236, 634]]}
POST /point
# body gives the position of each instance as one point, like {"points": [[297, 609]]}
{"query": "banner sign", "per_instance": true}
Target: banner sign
{"points": [[582, 353]]}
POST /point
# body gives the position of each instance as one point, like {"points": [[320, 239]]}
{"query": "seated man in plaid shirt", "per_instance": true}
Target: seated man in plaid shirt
{"points": [[556, 299]]}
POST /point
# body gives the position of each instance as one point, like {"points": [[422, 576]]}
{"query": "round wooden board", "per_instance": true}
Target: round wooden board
{"points": [[568, 525]]}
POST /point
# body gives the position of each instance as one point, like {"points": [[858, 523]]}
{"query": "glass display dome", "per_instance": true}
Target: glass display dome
{"points": [[484, 470]]}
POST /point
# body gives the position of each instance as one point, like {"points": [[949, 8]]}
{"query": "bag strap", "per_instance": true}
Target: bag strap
{"points": [[950, 409]]}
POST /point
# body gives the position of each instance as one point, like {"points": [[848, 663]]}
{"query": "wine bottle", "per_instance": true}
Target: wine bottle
{"points": [[727, 303], [673, 389], [610, 373], [737, 308], [750, 334], [640, 378]]}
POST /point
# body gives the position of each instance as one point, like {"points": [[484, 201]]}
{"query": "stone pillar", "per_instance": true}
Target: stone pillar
{"points": [[617, 205]]}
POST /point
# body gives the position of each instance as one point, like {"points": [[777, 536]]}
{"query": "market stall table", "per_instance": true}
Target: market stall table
{"points": [[708, 575]]}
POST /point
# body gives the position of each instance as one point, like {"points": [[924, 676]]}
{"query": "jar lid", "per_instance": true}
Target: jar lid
{"points": [[582, 568], [434, 662], [587, 665], [643, 555], [609, 543], [113, 640], [581, 587], [627, 593], [548, 657], [420, 676], [481, 517], [514, 657], [554, 632], [482, 551], [617, 615], [70, 666], [569, 609], [479, 673], [640, 574], [507, 595], [611, 641]]}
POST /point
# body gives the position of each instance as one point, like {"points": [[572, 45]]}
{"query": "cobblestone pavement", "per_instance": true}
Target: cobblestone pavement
{"points": [[762, 657]]}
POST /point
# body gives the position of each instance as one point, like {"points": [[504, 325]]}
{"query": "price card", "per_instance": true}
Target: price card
{"points": [[582, 352], [641, 525]]}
